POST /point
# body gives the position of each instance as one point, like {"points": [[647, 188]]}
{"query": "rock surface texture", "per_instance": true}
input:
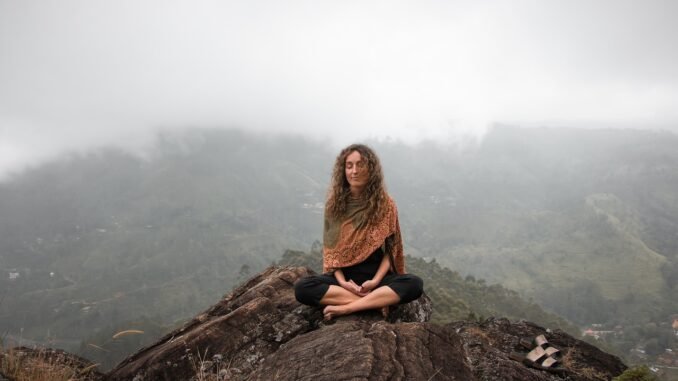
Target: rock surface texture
{"points": [[260, 332]]}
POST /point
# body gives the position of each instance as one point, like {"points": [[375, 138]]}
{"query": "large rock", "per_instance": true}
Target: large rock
{"points": [[260, 332]]}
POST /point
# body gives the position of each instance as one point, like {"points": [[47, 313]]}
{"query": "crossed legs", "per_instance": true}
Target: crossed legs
{"points": [[323, 290], [339, 301]]}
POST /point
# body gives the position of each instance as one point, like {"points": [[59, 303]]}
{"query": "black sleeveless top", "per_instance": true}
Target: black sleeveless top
{"points": [[366, 269]]}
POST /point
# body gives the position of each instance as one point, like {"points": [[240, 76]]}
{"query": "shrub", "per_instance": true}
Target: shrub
{"points": [[637, 373]]}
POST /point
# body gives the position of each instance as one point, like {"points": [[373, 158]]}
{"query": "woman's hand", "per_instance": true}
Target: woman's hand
{"points": [[368, 286], [353, 287]]}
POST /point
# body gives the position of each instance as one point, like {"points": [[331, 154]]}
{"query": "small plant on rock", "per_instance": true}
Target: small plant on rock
{"points": [[637, 373]]}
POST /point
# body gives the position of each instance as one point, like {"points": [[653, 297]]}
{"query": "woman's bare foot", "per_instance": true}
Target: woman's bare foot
{"points": [[333, 311]]}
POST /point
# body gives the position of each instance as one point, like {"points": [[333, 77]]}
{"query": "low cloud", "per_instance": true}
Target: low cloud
{"points": [[79, 74]]}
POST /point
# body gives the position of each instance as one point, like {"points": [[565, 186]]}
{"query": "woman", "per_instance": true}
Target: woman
{"points": [[363, 262]]}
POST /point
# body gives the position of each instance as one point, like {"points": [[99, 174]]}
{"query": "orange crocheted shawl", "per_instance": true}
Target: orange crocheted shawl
{"points": [[349, 241]]}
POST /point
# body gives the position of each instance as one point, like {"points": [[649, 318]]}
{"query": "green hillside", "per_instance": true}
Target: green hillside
{"points": [[582, 221], [108, 237]]}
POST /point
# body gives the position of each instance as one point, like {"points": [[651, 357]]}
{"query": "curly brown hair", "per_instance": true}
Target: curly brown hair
{"points": [[340, 191]]}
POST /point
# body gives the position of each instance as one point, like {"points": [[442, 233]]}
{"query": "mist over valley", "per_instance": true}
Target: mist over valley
{"points": [[581, 222]]}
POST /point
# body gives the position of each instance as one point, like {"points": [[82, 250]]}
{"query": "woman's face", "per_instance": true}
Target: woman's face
{"points": [[357, 172]]}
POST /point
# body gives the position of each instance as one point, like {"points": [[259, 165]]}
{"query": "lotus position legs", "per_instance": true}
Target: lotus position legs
{"points": [[337, 295], [324, 290], [345, 302]]}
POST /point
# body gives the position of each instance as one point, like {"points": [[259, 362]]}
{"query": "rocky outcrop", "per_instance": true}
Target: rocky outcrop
{"points": [[260, 332]]}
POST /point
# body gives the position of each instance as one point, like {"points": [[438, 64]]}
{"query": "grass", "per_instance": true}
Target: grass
{"points": [[42, 364], [584, 372], [45, 364], [210, 370]]}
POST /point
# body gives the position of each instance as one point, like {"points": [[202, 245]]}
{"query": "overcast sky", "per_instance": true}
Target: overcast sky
{"points": [[77, 74]]}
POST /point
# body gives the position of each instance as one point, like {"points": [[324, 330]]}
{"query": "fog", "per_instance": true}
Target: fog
{"points": [[81, 74]]}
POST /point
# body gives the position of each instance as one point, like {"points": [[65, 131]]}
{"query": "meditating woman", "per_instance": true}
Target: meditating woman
{"points": [[363, 262]]}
